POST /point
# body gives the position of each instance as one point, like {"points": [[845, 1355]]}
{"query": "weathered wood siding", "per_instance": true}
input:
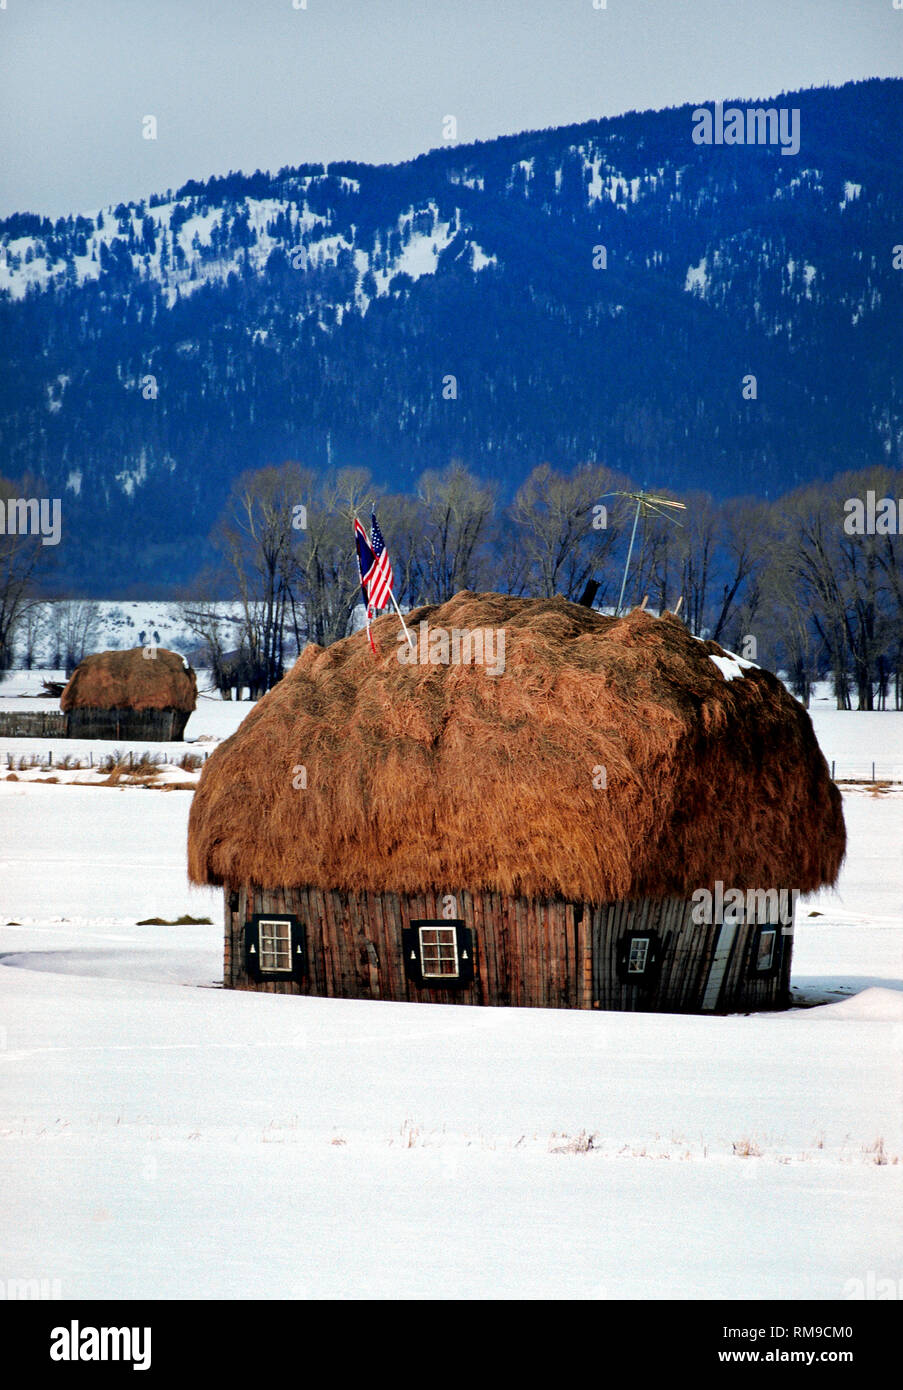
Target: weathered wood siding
{"points": [[156, 725], [546, 954], [527, 954], [32, 724], [687, 950]]}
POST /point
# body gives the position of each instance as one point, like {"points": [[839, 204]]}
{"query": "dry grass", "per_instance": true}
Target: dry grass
{"points": [[445, 777], [184, 921], [130, 680], [130, 768], [747, 1148], [581, 1143]]}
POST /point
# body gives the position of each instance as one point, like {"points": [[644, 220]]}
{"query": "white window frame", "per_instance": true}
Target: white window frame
{"points": [[274, 953], [645, 942], [437, 946], [771, 931]]}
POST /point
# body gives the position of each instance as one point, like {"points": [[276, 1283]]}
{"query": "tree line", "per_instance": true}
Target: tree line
{"points": [[794, 583], [809, 585]]}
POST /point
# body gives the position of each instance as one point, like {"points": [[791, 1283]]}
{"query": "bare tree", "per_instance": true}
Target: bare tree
{"points": [[324, 582], [73, 628], [846, 579], [566, 533], [31, 633], [457, 511], [265, 513], [22, 558]]}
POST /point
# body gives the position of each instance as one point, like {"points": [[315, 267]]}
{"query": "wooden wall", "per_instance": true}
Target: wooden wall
{"points": [[32, 724], [157, 725], [687, 952], [549, 954]]}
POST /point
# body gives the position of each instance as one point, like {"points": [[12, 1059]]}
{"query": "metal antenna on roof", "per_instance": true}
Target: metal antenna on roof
{"points": [[645, 503]]}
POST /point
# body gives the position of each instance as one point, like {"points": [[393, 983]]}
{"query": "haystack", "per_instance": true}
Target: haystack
{"points": [[611, 760], [435, 775], [146, 692]]}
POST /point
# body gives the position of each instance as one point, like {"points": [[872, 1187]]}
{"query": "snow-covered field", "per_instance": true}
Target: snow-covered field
{"points": [[163, 1138]]}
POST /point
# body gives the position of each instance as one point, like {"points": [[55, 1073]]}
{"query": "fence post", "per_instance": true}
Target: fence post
{"points": [[873, 772], [832, 769]]}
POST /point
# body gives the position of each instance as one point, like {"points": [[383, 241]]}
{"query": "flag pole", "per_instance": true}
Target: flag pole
{"points": [[403, 623]]}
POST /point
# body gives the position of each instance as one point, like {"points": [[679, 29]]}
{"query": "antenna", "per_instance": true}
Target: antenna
{"points": [[646, 503]]}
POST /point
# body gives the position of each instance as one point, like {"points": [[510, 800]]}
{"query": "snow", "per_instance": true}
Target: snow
{"points": [[855, 740], [697, 279], [729, 668], [164, 1138], [604, 182], [480, 259], [323, 247]]}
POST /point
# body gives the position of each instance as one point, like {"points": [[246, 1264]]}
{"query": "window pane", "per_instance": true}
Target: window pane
{"points": [[438, 951], [765, 955], [639, 950], [275, 945]]}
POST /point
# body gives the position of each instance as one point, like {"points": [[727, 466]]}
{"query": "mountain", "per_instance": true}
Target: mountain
{"points": [[154, 350]]}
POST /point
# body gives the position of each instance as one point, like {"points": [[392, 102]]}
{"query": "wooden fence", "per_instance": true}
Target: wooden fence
{"points": [[31, 724]]}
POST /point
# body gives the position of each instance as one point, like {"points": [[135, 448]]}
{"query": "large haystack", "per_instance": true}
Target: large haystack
{"points": [[140, 679], [444, 777]]}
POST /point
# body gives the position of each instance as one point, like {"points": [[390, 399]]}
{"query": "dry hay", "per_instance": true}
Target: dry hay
{"points": [[445, 777], [132, 680]]}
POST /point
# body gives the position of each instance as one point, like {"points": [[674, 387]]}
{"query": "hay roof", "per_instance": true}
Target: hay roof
{"points": [[131, 680], [447, 777]]}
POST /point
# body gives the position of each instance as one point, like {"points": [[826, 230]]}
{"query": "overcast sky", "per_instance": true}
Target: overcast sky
{"points": [[245, 84]]}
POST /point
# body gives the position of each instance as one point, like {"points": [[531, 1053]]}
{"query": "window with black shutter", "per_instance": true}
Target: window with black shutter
{"points": [[438, 953], [639, 958], [274, 947]]}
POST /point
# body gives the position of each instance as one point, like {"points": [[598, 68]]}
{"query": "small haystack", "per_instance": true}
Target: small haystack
{"points": [[147, 692], [602, 766]]}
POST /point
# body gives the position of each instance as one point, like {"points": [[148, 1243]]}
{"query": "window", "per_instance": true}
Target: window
{"points": [[438, 951], [639, 959], [765, 949], [438, 954], [275, 945], [639, 954]]}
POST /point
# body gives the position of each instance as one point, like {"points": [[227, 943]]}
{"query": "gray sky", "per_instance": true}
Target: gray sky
{"points": [[245, 84]]}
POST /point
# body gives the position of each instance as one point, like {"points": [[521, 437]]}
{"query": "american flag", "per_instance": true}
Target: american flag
{"points": [[379, 580]]}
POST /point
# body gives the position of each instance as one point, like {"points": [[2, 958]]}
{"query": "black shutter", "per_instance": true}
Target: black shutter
{"points": [[410, 945], [252, 949], [299, 951]]}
